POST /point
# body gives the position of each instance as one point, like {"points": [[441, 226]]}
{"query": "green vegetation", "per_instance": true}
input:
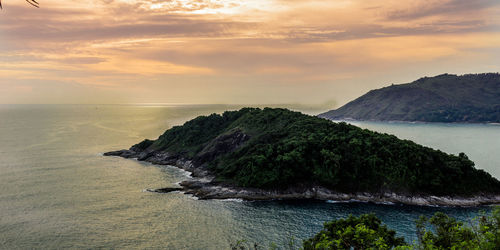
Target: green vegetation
{"points": [[368, 232], [364, 232], [444, 98], [444, 232], [438, 232], [277, 148]]}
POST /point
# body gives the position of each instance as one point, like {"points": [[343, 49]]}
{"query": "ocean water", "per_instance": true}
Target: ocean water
{"points": [[58, 191]]}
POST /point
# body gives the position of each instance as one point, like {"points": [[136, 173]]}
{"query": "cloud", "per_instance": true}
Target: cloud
{"points": [[427, 8], [82, 60], [54, 26], [126, 43]]}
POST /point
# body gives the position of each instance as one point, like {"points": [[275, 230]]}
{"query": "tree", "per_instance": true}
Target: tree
{"points": [[447, 233], [444, 232], [363, 232], [32, 2], [439, 232]]}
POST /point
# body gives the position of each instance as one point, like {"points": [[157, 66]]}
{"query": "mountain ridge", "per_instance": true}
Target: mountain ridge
{"points": [[470, 98]]}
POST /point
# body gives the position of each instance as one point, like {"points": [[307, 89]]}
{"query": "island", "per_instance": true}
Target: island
{"points": [[471, 98], [263, 154]]}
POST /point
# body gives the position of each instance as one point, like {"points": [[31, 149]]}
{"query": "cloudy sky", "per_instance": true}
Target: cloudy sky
{"points": [[236, 51]]}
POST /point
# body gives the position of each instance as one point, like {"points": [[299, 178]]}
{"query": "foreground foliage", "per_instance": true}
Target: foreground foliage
{"points": [[444, 232], [362, 232], [438, 232], [290, 149]]}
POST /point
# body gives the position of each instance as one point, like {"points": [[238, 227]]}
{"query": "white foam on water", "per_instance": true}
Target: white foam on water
{"points": [[233, 200], [185, 173], [385, 203], [333, 202], [189, 195]]}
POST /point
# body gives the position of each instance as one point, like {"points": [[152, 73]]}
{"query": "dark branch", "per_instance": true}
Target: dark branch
{"points": [[33, 2]]}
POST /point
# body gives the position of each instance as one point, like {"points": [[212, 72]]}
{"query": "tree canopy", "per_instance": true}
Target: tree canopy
{"points": [[287, 149], [438, 232], [363, 232]]}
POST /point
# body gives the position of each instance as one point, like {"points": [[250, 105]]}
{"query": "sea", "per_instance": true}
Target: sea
{"points": [[58, 191]]}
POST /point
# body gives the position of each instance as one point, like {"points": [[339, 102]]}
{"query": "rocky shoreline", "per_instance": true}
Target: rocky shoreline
{"points": [[203, 187]]}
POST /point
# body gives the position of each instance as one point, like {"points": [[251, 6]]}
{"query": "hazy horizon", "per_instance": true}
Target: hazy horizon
{"points": [[235, 51]]}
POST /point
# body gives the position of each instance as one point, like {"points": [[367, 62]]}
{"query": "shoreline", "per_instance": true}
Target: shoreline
{"points": [[204, 190], [202, 187], [347, 120]]}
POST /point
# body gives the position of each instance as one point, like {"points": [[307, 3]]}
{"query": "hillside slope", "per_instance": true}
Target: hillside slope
{"points": [[278, 149], [443, 98]]}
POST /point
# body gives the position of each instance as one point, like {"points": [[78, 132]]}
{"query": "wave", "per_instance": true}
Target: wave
{"points": [[360, 201], [233, 200], [333, 201], [183, 172], [190, 196]]}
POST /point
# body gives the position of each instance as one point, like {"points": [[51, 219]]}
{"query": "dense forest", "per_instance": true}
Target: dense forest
{"points": [[278, 148], [443, 98]]}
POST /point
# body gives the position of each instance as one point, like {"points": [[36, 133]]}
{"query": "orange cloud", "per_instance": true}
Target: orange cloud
{"points": [[334, 46]]}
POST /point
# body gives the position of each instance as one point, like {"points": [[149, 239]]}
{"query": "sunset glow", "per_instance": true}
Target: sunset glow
{"points": [[137, 51]]}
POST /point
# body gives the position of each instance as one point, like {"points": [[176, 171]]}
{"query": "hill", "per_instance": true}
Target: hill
{"points": [[443, 98], [278, 149]]}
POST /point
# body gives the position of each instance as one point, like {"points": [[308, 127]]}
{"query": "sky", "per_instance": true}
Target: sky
{"points": [[309, 52]]}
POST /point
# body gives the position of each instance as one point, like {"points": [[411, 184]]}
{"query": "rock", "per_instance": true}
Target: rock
{"points": [[123, 153], [145, 155], [165, 190], [221, 145]]}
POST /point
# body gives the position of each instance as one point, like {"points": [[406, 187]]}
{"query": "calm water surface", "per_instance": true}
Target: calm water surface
{"points": [[58, 191]]}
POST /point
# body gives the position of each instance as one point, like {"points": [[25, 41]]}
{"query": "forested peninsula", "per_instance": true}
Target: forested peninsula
{"points": [[472, 98], [261, 154]]}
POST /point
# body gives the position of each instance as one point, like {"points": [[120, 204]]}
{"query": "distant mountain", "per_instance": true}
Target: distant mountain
{"points": [[443, 98]]}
